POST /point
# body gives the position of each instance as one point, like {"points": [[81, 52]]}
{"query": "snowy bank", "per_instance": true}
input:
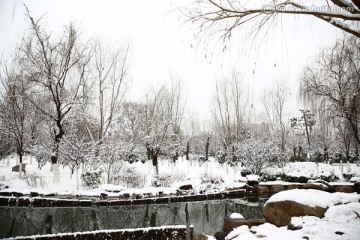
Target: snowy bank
{"points": [[341, 219]]}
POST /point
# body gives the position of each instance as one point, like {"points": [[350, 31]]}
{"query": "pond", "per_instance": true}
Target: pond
{"points": [[205, 216]]}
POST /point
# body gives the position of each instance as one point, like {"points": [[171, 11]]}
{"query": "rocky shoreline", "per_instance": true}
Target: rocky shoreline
{"points": [[34, 199]]}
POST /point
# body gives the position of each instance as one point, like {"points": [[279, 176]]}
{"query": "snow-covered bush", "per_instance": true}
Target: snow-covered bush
{"points": [[166, 180], [302, 172], [351, 172], [91, 179], [34, 179], [42, 153], [257, 155], [135, 156], [130, 178]]}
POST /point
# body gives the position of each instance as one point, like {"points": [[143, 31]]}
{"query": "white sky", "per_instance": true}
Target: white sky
{"points": [[162, 45]]}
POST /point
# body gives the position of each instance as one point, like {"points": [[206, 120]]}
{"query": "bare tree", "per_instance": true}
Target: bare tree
{"points": [[111, 74], [14, 108], [57, 69], [163, 117], [334, 80], [274, 101], [230, 109], [224, 17]]}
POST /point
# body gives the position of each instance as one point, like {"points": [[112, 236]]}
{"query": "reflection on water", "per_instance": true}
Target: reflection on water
{"points": [[205, 216]]}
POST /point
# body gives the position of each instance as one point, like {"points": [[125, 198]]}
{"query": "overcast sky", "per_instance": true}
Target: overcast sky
{"points": [[161, 44]]}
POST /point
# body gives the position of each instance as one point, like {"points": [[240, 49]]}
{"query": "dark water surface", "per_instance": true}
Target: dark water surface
{"points": [[205, 216]]}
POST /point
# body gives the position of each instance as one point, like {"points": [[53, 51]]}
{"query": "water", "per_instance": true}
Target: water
{"points": [[205, 216]]}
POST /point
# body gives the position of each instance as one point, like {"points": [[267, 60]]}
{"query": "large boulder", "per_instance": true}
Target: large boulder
{"points": [[281, 207], [280, 213]]}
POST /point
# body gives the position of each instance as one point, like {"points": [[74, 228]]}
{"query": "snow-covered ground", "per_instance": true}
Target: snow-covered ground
{"points": [[340, 221], [183, 172]]}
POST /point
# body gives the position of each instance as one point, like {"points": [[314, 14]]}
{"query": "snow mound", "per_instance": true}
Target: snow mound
{"points": [[111, 188], [355, 179], [236, 216], [314, 198], [340, 222], [252, 177]]}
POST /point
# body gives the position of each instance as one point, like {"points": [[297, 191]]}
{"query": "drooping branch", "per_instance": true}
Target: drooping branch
{"points": [[229, 15]]}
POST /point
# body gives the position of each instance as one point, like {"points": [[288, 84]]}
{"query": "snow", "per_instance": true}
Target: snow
{"points": [[104, 231], [252, 177], [355, 179], [341, 217], [314, 198], [236, 216]]}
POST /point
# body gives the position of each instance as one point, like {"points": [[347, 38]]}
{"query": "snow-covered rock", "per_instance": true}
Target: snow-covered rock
{"points": [[236, 216], [281, 207], [339, 222]]}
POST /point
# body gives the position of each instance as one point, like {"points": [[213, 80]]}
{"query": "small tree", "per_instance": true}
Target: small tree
{"points": [[14, 108], [303, 126], [257, 155]]}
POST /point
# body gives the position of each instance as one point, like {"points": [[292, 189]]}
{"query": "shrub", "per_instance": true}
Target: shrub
{"points": [[91, 179], [35, 179], [244, 172], [265, 177], [130, 179], [298, 179], [348, 176], [165, 180]]}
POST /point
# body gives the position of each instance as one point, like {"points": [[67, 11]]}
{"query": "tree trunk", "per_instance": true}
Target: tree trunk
{"points": [[187, 150], [155, 163], [54, 163], [207, 148], [148, 151], [234, 155]]}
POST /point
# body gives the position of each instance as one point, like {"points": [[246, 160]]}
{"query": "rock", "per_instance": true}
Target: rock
{"points": [[357, 187], [186, 187], [277, 188], [262, 189], [252, 179], [319, 185], [201, 236], [293, 186], [17, 194], [294, 227], [220, 235], [354, 179], [231, 223], [34, 194], [17, 168], [103, 196], [323, 185], [280, 213], [344, 189], [236, 216]]}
